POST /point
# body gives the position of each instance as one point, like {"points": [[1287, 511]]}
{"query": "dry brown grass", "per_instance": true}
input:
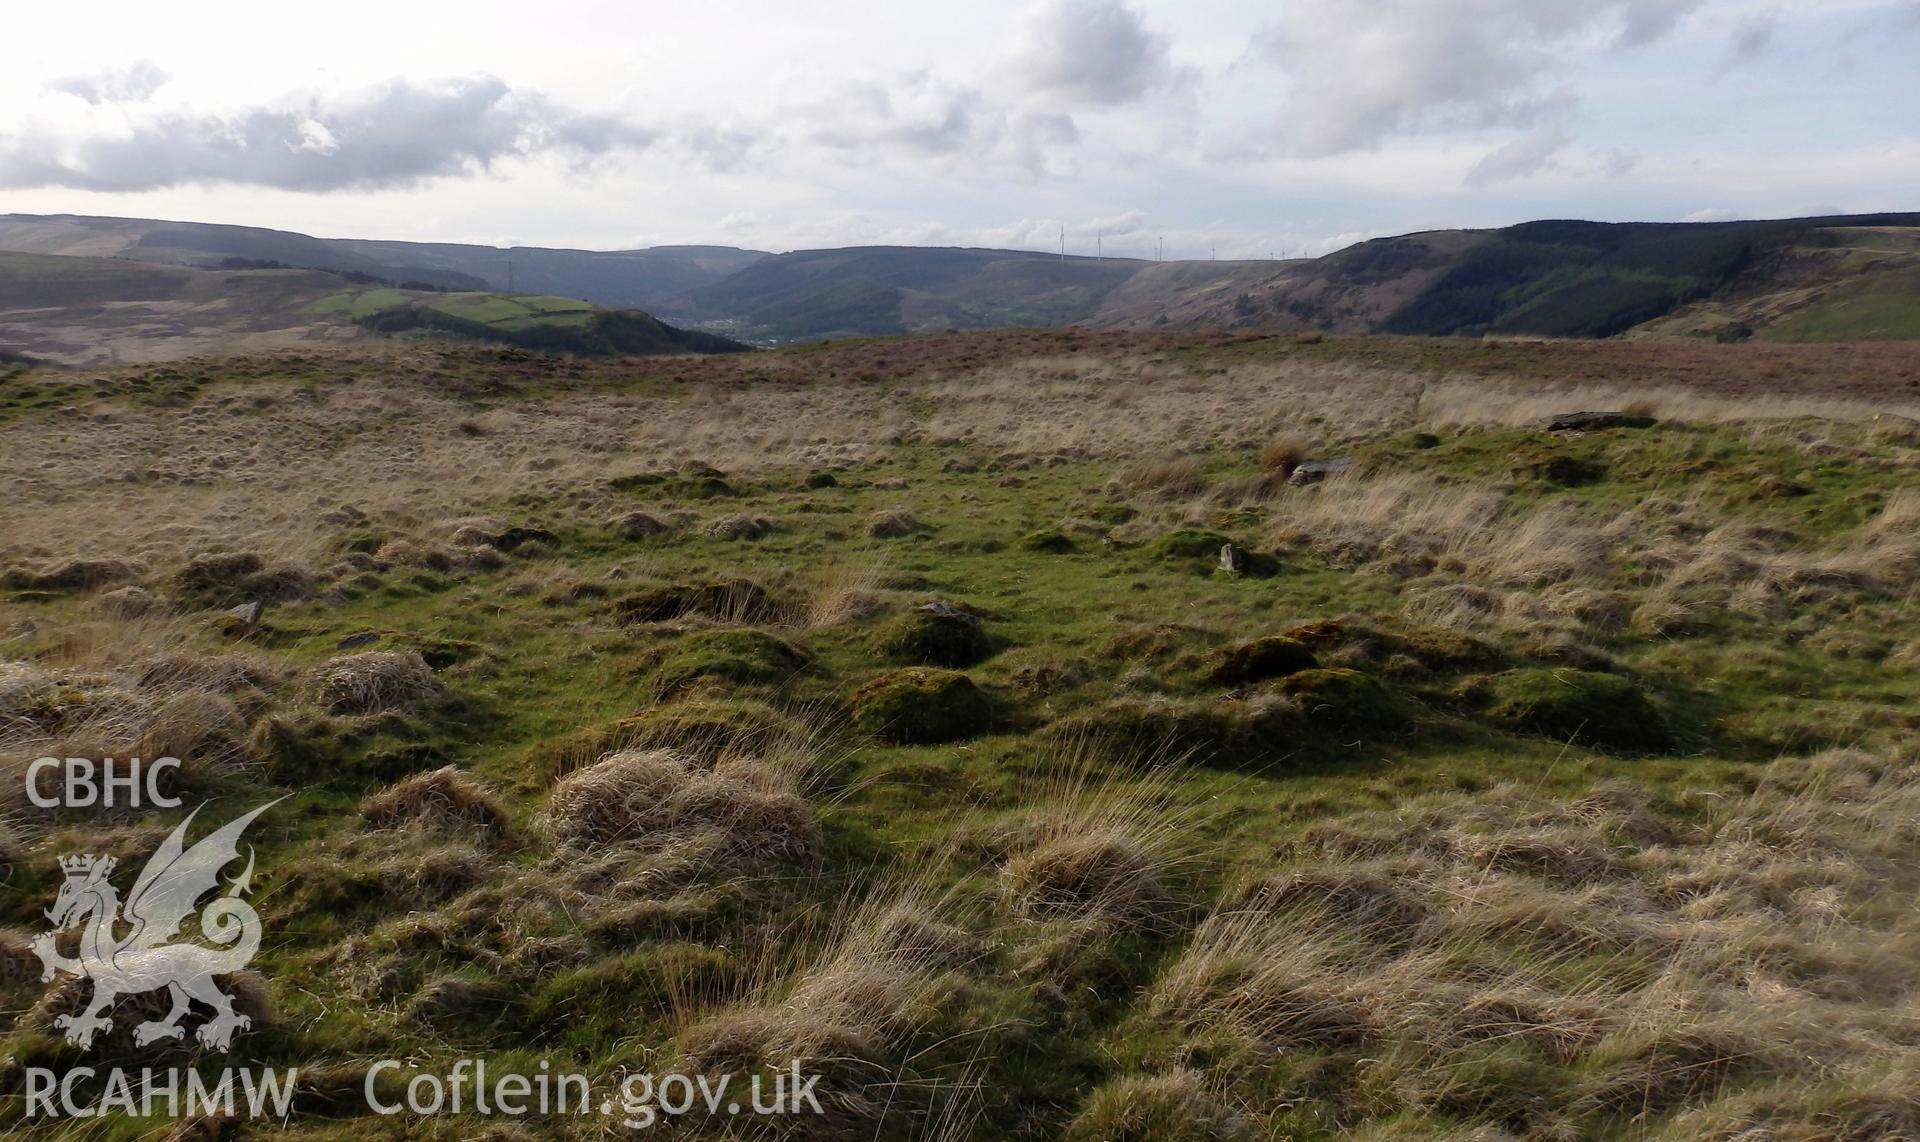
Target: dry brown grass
{"points": [[752, 811], [1170, 478], [370, 445], [846, 592], [376, 680], [125, 689], [1754, 945], [440, 798], [853, 1011], [895, 523]]}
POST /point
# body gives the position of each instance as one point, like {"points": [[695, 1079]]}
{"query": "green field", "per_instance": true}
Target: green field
{"points": [[1885, 307], [361, 302], [886, 709]]}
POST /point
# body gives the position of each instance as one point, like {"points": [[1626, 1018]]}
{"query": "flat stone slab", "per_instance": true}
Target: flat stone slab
{"points": [[1314, 471], [1595, 421]]}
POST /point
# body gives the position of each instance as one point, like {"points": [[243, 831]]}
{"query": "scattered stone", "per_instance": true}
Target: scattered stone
{"points": [[363, 638], [248, 613], [1317, 471], [1596, 421], [948, 610]]}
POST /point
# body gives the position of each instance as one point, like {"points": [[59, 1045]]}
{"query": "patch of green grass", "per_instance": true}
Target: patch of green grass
{"points": [[360, 303], [1879, 308]]}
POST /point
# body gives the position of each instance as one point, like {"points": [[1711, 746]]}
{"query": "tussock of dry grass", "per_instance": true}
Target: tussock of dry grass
{"points": [[854, 1011], [846, 592], [440, 798], [376, 680], [1738, 948], [1176, 477], [753, 812], [108, 693]]}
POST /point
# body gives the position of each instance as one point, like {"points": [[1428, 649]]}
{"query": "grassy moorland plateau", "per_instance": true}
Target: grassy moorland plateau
{"points": [[1028, 731]]}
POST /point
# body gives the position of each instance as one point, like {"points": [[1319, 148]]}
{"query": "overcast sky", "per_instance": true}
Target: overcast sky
{"points": [[1253, 128]]}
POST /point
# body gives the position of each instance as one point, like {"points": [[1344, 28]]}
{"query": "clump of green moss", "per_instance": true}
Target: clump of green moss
{"points": [[1049, 541], [935, 636], [921, 705], [1599, 709], [1258, 732], [1338, 698], [1189, 544], [738, 656], [710, 487], [1273, 657], [1440, 650], [731, 599]]}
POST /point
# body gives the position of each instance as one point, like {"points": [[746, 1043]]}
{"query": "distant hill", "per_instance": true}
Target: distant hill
{"points": [[651, 278], [1591, 279], [96, 311], [551, 324], [1790, 279], [870, 290]]}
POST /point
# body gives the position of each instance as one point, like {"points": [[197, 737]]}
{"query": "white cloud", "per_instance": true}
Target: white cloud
{"points": [[920, 116], [1527, 155], [1097, 52], [131, 84], [397, 134], [1362, 71]]}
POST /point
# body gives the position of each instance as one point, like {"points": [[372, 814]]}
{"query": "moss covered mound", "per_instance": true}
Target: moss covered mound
{"points": [[1605, 710], [1255, 733], [738, 656], [921, 705], [1189, 545], [732, 599], [1273, 657], [1337, 698], [925, 636], [1049, 541]]}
